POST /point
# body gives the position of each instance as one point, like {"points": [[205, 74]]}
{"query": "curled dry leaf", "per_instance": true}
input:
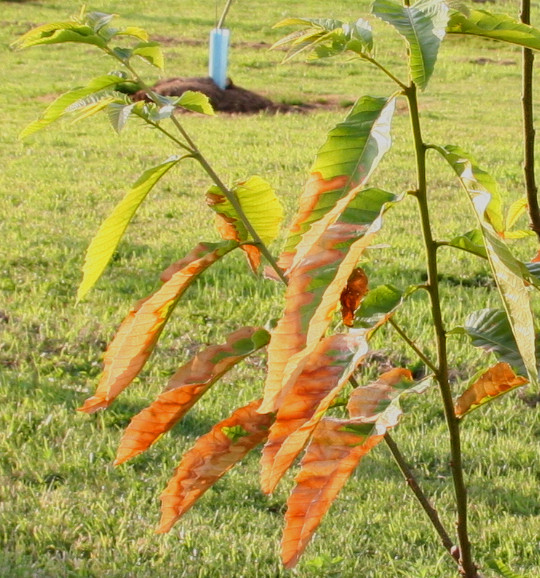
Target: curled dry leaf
{"points": [[352, 295], [211, 457], [185, 388], [140, 330], [326, 372], [496, 381]]}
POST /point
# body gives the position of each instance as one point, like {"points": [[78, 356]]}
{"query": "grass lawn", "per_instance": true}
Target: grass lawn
{"points": [[64, 510]]}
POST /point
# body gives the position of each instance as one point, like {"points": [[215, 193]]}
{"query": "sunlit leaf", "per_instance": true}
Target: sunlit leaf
{"points": [[326, 372], [336, 448], [119, 114], [355, 290], [211, 457], [495, 26], [507, 270], [110, 233], [349, 156], [151, 52], [423, 26], [325, 37], [134, 31], [186, 387], [139, 332], [63, 103], [95, 104], [493, 383], [261, 206], [196, 102], [314, 289], [516, 209], [57, 33]]}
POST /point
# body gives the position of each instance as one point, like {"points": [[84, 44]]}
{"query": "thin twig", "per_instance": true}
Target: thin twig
{"points": [[413, 345]]}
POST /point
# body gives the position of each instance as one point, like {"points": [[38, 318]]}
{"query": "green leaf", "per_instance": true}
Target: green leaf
{"points": [[326, 37], [57, 33], [472, 242], [92, 105], [347, 159], [64, 103], [260, 204], [379, 303], [98, 20], [495, 26], [423, 27], [151, 52], [104, 244], [196, 102], [507, 270], [235, 433], [490, 330], [134, 31], [119, 115]]}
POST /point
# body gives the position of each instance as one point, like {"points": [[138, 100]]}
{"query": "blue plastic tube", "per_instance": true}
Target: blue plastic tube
{"points": [[219, 51]]}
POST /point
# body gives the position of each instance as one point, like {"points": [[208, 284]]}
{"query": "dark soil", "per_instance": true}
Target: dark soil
{"points": [[233, 99]]}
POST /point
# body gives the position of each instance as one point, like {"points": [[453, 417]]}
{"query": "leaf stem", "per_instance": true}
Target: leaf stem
{"points": [[467, 566], [385, 70], [529, 132], [199, 157], [420, 496], [413, 345]]}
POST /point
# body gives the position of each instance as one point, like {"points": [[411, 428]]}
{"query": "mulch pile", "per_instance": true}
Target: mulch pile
{"points": [[233, 99]]}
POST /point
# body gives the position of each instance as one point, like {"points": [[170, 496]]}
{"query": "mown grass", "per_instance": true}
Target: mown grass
{"points": [[64, 510]]}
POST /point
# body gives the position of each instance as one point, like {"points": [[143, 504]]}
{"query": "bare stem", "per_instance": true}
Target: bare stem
{"points": [[467, 566], [420, 496], [413, 345], [529, 132]]}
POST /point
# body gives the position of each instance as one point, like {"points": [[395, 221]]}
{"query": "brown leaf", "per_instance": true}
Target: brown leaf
{"points": [[212, 456], [494, 382], [140, 330], [326, 372], [333, 454], [185, 388], [352, 295]]}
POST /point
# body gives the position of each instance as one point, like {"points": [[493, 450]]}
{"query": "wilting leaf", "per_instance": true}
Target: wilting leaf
{"points": [[490, 330], [62, 104], [352, 295], [186, 387], [139, 332], [423, 26], [507, 270], [336, 448], [110, 233], [151, 52], [213, 455], [314, 288], [350, 154], [326, 37], [57, 33], [326, 372], [496, 381], [377, 306], [260, 205], [495, 26], [196, 102]]}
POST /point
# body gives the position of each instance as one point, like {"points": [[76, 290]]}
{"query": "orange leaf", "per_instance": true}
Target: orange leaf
{"points": [[185, 388], [336, 448], [139, 332], [213, 455], [326, 372], [494, 382], [352, 295], [314, 289], [333, 454]]}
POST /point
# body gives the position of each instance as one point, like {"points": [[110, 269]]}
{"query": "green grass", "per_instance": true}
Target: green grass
{"points": [[64, 510]]}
